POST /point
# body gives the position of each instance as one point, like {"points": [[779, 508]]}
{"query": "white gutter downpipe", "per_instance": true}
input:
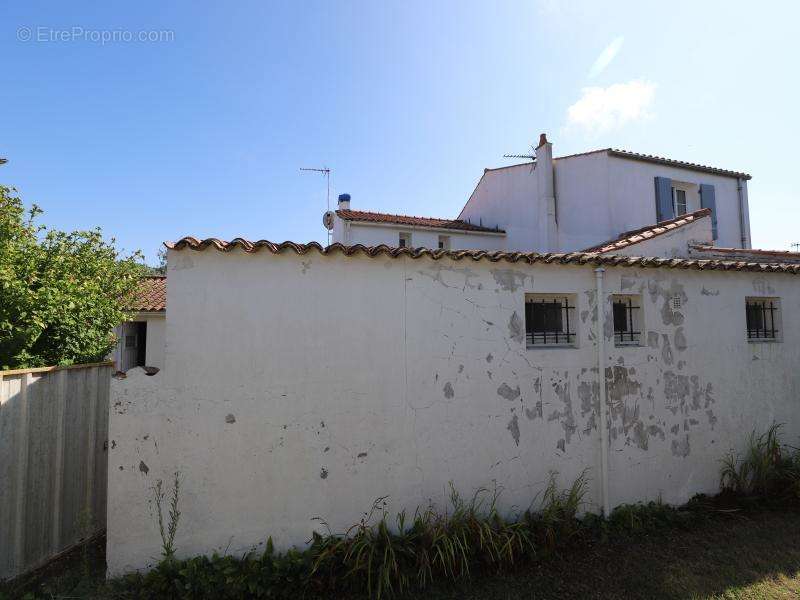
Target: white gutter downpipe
{"points": [[601, 378], [741, 212]]}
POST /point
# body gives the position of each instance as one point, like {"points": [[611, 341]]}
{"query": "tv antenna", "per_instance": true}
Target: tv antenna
{"points": [[529, 157], [327, 173]]}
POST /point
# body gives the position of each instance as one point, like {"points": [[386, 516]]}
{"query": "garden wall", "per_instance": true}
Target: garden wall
{"points": [[303, 386]]}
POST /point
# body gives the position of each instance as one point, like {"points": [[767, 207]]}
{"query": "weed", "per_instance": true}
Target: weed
{"points": [[168, 534]]}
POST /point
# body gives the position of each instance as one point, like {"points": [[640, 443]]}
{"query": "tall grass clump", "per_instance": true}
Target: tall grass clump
{"points": [[556, 521], [394, 557], [767, 468], [381, 555]]}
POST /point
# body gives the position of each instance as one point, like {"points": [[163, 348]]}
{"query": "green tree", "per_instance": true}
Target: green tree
{"points": [[61, 294]]}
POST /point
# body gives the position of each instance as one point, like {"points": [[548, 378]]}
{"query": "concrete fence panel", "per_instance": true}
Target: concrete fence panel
{"points": [[53, 461]]}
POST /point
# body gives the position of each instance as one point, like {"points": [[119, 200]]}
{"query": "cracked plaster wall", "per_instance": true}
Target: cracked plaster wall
{"points": [[307, 386]]}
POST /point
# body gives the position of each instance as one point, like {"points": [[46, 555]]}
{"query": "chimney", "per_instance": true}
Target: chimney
{"points": [[547, 196], [542, 140], [344, 201]]}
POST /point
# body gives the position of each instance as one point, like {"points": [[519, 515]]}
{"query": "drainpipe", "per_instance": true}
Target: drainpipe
{"points": [[601, 378], [741, 211]]}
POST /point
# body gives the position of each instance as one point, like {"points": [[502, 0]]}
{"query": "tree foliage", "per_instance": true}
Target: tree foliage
{"points": [[61, 294]]}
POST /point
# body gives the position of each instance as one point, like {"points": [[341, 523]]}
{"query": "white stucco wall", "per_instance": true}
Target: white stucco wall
{"points": [[632, 192], [156, 340], [308, 386], [508, 198], [600, 196]]}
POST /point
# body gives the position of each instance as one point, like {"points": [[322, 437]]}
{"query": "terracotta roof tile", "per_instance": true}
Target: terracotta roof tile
{"points": [[373, 217], [636, 236], [575, 258], [756, 254], [151, 296]]}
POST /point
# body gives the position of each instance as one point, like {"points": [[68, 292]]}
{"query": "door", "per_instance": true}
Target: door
{"points": [[134, 345]]}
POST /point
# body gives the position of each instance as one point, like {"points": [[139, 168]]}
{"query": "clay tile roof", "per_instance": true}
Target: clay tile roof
{"points": [[659, 160], [151, 296], [636, 236], [775, 256], [373, 217], [573, 258]]}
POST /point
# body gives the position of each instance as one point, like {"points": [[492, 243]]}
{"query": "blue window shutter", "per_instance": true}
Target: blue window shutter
{"points": [[708, 200], [664, 209]]}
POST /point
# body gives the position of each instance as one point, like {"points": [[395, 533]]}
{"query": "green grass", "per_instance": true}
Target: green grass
{"points": [[747, 555]]}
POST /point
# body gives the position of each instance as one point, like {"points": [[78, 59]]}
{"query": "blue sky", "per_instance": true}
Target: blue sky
{"points": [[203, 132]]}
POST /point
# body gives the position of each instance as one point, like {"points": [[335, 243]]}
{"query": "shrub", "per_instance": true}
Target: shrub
{"points": [[61, 294]]}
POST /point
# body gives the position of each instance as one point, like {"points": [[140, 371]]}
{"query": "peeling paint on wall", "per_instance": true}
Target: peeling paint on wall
{"points": [[681, 447], [515, 328], [510, 280], [513, 427], [506, 392]]}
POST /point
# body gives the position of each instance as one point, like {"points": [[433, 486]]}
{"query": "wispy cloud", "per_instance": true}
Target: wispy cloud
{"points": [[602, 109], [604, 59]]}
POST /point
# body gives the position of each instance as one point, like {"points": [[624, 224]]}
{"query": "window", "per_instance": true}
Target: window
{"points": [[130, 341], [763, 319], [550, 320], [678, 201], [627, 311], [444, 242], [405, 240]]}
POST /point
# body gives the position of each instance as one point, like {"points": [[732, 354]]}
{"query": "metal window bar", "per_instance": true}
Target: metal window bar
{"points": [[761, 320], [628, 334], [548, 322]]}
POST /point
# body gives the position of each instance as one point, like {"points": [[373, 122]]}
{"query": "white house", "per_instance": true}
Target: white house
{"points": [[565, 204], [402, 231], [141, 341]]}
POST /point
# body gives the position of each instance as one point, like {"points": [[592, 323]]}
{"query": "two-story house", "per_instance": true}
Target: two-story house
{"points": [[572, 203]]}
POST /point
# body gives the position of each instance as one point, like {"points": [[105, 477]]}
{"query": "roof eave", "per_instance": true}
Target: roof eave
{"points": [[678, 164], [499, 232]]}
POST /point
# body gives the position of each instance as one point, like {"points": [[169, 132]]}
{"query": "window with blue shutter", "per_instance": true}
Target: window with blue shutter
{"points": [[708, 200], [664, 209]]}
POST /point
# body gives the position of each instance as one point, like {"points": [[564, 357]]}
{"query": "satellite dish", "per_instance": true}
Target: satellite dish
{"points": [[327, 220]]}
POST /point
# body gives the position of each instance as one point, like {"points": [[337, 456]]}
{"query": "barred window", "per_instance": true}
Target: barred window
{"points": [[763, 318], [550, 319], [627, 311]]}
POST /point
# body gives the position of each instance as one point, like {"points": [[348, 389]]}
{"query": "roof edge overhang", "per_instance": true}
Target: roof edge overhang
{"points": [[572, 258], [499, 232]]}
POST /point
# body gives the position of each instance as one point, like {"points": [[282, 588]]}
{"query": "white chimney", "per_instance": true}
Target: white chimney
{"points": [[344, 201], [547, 196]]}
